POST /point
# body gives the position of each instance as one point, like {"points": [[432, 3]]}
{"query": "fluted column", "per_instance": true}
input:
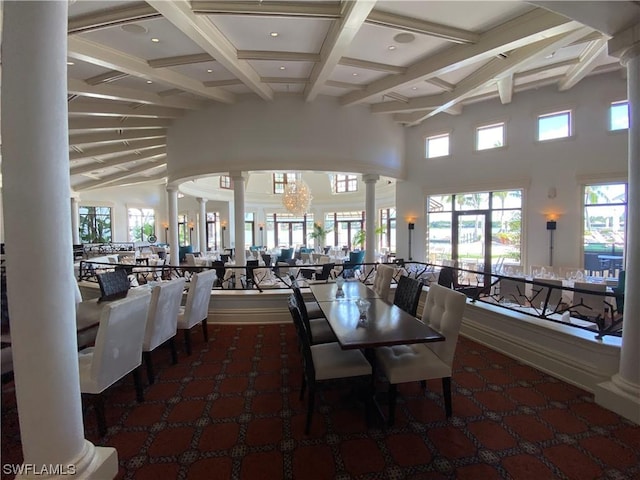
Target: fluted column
{"points": [[174, 242], [75, 220], [370, 216], [622, 393], [202, 202], [238, 216], [36, 186]]}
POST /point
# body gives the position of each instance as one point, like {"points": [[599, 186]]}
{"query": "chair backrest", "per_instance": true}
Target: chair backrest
{"points": [[512, 291], [356, 257], [162, 321], [539, 293], [589, 305], [327, 268], [191, 259], [382, 281], [304, 338], [118, 346], [224, 257], [443, 311], [302, 308], [113, 285], [304, 256], [447, 277], [407, 294], [266, 259], [197, 305]]}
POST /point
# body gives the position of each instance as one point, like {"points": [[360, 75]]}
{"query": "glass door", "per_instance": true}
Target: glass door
{"points": [[472, 244]]}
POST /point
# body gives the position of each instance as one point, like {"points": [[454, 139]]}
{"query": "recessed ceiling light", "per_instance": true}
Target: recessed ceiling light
{"points": [[404, 37], [274, 34], [209, 70], [355, 74], [392, 47], [70, 63], [414, 88], [134, 28], [551, 55], [149, 81], [155, 40], [282, 67]]}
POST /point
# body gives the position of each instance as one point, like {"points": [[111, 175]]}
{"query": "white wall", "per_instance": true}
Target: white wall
{"points": [[593, 153], [286, 134]]}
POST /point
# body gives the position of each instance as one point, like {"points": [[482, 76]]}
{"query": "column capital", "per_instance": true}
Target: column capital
{"points": [[625, 45], [172, 189], [370, 178], [202, 200], [237, 175]]}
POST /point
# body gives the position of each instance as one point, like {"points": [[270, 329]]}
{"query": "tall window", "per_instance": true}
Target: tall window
{"points": [[249, 229], [605, 215], [183, 230], [225, 182], [280, 180], [142, 224], [471, 227], [619, 116], [554, 125], [490, 136], [387, 229], [288, 230], [213, 230], [437, 146], [345, 183], [346, 226], [95, 224]]}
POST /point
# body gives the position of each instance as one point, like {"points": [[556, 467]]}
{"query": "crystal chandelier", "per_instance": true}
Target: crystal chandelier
{"points": [[297, 196]]}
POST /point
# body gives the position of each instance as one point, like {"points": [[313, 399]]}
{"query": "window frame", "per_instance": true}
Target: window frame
{"points": [[143, 237], [610, 111], [95, 216], [349, 181], [226, 183], [487, 126], [281, 183], [556, 113], [435, 137]]}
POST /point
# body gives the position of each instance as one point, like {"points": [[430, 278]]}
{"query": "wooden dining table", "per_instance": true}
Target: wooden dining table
{"points": [[385, 324]]}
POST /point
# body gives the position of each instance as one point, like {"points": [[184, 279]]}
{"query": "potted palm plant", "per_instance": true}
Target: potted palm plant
{"points": [[360, 237], [319, 234]]}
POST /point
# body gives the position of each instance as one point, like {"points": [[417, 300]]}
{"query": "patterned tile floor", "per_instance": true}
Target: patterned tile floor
{"points": [[231, 410]]}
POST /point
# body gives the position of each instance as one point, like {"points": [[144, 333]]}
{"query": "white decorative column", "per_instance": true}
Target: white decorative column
{"points": [[238, 216], [35, 168], [174, 243], [370, 216], [75, 220], [622, 393], [202, 227]]}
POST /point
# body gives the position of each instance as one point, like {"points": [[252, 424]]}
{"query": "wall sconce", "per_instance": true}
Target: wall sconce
{"points": [[165, 225], [261, 227], [411, 227], [190, 225], [551, 226], [224, 228]]}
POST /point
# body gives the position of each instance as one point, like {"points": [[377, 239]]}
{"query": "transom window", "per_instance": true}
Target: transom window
{"points": [[619, 116], [437, 146], [345, 183], [225, 182], [490, 136], [95, 224], [280, 180], [142, 224], [554, 125]]}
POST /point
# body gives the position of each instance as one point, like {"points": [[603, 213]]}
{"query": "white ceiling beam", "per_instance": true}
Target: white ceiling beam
{"points": [[222, 83], [106, 77], [116, 177], [545, 68], [455, 110], [170, 92], [131, 146], [290, 80], [180, 60], [337, 43], [113, 92], [154, 153], [589, 59], [275, 8], [115, 136], [397, 96], [350, 86], [207, 36], [505, 88], [438, 82], [111, 123], [451, 34], [378, 67], [277, 56], [110, 17], [114, 110], [160, 177], [97, 54], [532, 26], [487, 74]]}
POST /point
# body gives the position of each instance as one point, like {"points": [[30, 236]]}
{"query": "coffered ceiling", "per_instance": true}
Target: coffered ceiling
{"points": [[135, 67]]}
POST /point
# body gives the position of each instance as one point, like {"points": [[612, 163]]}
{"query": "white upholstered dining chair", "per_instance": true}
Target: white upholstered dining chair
{"points": [[196, 308], [162, 321], [443, 312], [382, 281], [117, 350]]}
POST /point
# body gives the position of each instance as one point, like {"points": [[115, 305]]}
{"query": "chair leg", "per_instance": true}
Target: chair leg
{"points": [[303, 386], [137, 381], [100, 415], [310, 407], [393, 395], [174, 352], [187, 341], [205, 330], [446, 391], [148, 362]]}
